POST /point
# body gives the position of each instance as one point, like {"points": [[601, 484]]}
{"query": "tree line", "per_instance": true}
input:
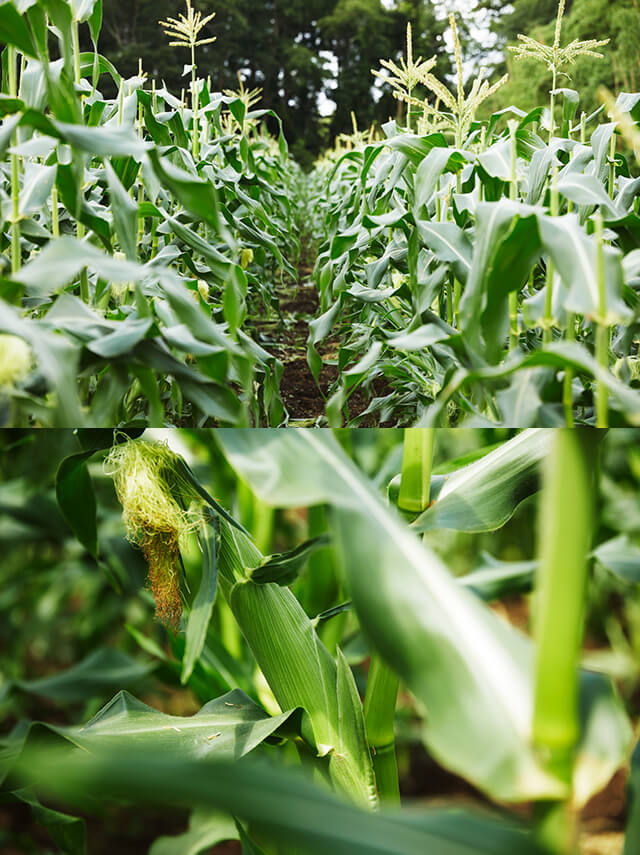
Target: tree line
{"points": [[298, 50]]}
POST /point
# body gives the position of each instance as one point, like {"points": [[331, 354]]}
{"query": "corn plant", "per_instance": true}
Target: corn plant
{"points": [[478, 271], [141, 235], [513, 713]]}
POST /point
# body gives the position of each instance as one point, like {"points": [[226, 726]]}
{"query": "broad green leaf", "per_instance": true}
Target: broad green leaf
{"points": [[218, 264], [319, 328], [494, 579], [559, 355], [428, 176], [123, 339], [67, 832], [506, 247], [36, 187], [496, 160], [449, 243], [125, 214], [63, 259], [485, 494], [198, 197], [413, 147], [100, 672], [621, 557], [77, 501], [14, 30], [472, 673], [587, 190], [286, 807], [229, 726], [57, 358], [206, 828]]}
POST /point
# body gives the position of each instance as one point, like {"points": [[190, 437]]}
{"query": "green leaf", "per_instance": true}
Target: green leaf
{"points": [[36, 187], [574, 255], [620, 557], [219, 265], [67, 832], [506, 247], [286, 807], [449, 243], [230, 726], [587, 190], [485, 494], [100, 672], [200, 612], [494, 579], [62, 260], [560, 355], [125, 214], [319, 329], [77, 501], [496, 160], [428, 175], [14, 30], [206, 828], [285, 567], [198, 197]]}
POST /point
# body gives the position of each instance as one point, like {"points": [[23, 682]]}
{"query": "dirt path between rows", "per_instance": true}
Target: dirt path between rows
{"points": [[287, 338]]}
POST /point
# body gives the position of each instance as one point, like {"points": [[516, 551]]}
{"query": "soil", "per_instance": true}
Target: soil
{"points": [[305, 400]]}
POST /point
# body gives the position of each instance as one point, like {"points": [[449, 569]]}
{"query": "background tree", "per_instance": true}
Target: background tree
{"points": [[282, 47], [529, 82]]}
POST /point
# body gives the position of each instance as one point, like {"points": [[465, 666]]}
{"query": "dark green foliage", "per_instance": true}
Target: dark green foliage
{"points": [[279, 47]]}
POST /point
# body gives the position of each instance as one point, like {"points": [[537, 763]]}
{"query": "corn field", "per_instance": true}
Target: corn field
{"points": [[467, 270]]}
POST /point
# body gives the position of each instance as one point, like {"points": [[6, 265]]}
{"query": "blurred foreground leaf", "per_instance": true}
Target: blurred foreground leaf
{"points": [[283, 805]]}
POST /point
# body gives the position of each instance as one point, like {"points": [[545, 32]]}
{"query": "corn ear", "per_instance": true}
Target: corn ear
{"points": [[298, 667]]}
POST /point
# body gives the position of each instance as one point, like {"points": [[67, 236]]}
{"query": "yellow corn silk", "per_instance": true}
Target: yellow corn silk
{"points": [[159, 507], [161, 552]]}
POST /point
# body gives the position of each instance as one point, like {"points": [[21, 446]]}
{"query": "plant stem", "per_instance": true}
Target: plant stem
{"points": [[417, 460], [80, 232], [514, 334], [195, 103], [561, 583], [552, 103], [76, 47], [612, 165], [55, 222], [602, 330], [15, 211], [548, 297], [379, 714], [15, 170], [567, 390], [382, 686]]}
